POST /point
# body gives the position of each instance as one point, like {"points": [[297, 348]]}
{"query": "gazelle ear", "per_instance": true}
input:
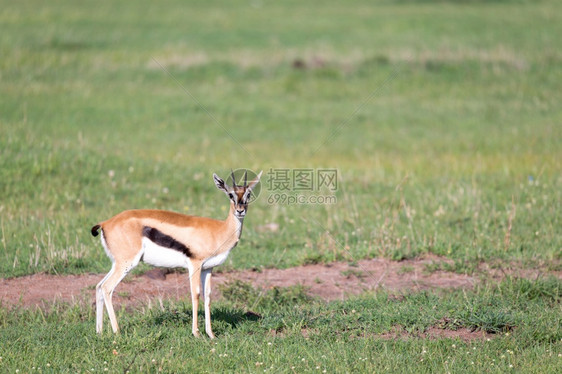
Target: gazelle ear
{"points": [[250, 187], [256, 180], [220, 183]]}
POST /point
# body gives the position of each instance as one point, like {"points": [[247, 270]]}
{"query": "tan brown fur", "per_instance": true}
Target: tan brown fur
{"points": [[205, 237]]}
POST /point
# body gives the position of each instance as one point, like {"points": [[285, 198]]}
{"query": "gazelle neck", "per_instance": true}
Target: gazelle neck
{"points": [[233, 221]]}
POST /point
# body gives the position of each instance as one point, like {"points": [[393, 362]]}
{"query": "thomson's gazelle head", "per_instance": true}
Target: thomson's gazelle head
{"points": [[239, 195]]}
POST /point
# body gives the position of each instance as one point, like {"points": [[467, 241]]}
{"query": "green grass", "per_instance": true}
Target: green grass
{"points": [[284, 331], [437, 116], [442, 119]]}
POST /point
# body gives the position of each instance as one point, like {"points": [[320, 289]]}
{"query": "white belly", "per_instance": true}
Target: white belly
{"points": [[156, 255], [215, 260]]}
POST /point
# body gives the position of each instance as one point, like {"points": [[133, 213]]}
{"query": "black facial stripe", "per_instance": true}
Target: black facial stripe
{"points": [[163, 240]]}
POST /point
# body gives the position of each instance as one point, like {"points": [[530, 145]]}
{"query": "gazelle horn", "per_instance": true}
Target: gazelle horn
{"points": [[233, 179]]}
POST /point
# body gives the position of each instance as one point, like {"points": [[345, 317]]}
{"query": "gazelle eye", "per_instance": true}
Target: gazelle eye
{"points": [[231, 195]]}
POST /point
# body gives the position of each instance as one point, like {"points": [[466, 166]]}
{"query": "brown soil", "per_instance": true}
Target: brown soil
{"points": [[329, 282]]}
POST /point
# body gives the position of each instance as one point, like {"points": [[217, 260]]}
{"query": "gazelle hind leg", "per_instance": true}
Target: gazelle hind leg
{"points": [[107, 288], [100, 301], [206, 286]]}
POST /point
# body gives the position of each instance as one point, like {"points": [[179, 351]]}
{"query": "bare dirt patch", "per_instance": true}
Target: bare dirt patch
{"points": [[334, 281], [329, 282], [339, 280]]}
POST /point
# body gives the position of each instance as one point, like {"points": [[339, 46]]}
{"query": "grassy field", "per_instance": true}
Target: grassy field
{"points": [[441, 118]]}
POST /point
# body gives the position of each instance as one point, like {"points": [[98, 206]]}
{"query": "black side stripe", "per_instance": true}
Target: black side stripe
{"points": [[163, 240]]}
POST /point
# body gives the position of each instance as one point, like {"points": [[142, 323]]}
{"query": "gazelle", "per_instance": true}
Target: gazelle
{"points": [[168, 239]]}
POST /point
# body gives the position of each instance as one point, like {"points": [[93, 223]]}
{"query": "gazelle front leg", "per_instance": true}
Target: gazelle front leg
{"points": [[206, 285], [195, 283]]}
